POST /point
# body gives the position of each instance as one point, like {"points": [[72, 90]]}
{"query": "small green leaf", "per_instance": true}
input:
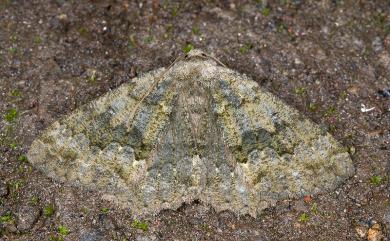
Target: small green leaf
{"points": [[13, 146], [23, 158], [140, 225], [105, 210]]}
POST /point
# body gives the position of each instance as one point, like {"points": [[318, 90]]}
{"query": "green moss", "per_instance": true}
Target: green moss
{"points": [[63, 230], [140, 225], [376, 180], [48, 210], [7, 218], [188, 48], [11, 115]]}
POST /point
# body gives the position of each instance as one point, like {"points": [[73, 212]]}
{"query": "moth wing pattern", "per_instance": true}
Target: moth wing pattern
{"points": [[203, 132]]}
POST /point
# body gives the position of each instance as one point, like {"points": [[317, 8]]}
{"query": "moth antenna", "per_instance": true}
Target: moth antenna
{"points": [[215, 59]]}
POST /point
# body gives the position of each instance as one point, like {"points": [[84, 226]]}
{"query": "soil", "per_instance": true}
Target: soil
{"points": [[328, 59]]}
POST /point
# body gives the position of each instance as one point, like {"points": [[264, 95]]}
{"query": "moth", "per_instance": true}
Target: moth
{"points": [[196, 130]]}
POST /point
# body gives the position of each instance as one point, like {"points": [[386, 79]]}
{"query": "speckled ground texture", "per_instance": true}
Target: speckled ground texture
{"points": [[325, 58]]}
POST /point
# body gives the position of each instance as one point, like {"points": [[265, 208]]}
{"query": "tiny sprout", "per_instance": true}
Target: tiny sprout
{"points": [[49, 210], [314, 208], [105, 210], [22, 158], [195, 30], [245, 48], [188, 48], [304, 217]]}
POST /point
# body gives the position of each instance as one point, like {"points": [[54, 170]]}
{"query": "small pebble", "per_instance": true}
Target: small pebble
{"points": [[91, 235], [361, 231], [384, 93], [374, 233]]}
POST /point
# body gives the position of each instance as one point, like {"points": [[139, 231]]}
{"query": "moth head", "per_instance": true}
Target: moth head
{"points": [[195, 53], [200, 54]]}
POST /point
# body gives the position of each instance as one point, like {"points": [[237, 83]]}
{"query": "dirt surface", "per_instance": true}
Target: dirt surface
{"points": [[328, 59]]}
